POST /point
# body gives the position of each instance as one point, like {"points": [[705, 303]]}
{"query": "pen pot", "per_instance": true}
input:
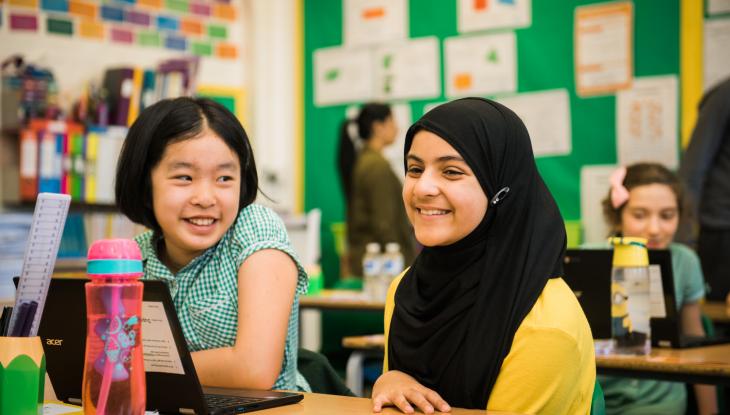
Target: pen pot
{"points": [[22, 375]]}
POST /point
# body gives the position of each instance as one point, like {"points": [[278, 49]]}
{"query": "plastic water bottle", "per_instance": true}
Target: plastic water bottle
{"points": [[630, 296], [114, 378], [372, 268], [393, 262]]}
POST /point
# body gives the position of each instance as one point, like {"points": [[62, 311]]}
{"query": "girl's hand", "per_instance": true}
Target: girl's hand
{"points": [[399, 389]]}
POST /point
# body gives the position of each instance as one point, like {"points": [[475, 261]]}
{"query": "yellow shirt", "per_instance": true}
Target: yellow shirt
{"points": [[551, 367]]}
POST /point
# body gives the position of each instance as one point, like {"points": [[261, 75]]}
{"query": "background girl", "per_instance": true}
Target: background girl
{"points": [[372, 190], [646, 200], [187, 173]]}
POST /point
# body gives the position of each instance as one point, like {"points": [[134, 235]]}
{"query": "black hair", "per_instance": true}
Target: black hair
{"points": [[166, 122], [347, 155], [641, 174]]}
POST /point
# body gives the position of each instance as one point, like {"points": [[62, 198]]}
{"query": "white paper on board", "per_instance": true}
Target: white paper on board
{"points": [[394, 152], [718, 6], [369, 22], [158, 345], [490, 14], [342, 75], [481, 65], [594, 184], [603, 47], [646, 121], [716, 56], [546, 115], [408, 70]]}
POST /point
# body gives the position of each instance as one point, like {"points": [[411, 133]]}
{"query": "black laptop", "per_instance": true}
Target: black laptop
{"points": [[63, 333], [588, 273]]}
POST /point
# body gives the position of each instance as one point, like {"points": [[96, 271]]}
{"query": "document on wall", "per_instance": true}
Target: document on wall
{"points": [[342, 75], [603, 48], [490, 14], [718, 6], [546, 115], [408, 70], [480, 65], [394, 152], [158, 345], [368, 22], [646, 121], [594, 183], [716, 57]]}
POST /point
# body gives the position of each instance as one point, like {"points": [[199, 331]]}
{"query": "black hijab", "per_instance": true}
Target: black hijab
{"points": [[458, 307]]}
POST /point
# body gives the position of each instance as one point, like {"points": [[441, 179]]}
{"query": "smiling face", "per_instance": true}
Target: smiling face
{"points": [[195, 195], [652, 213], [443, 198]]}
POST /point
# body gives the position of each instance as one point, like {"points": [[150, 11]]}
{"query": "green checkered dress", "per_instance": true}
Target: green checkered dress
{"points": [[205, 291]]}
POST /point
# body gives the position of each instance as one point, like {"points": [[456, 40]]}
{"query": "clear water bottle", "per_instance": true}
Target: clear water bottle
{"points": [[372, 269], [630, 298], [393, 262], [114, 378]]}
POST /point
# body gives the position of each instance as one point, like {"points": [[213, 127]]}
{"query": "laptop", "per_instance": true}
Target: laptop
{"points": [[588, 273], [173, 389]]}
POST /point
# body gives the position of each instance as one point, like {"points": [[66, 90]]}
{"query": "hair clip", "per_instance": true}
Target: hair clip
{"points": [[499, 196], [619, 194]]}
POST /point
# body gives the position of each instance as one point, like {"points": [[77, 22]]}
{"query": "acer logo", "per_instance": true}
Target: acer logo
{"points": [[54, 342]]}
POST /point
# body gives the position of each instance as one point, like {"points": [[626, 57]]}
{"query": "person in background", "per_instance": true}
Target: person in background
{"points": [[482, 319], [187, 172], [705, 172], [645, 200], [372, 191]]}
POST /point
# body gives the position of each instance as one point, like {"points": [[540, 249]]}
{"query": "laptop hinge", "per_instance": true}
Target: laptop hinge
{"points": [[75, 401], [186, 411]]}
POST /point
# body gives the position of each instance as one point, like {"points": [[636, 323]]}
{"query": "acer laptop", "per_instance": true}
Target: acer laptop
{"points": [[172, 384], [588, 273]]}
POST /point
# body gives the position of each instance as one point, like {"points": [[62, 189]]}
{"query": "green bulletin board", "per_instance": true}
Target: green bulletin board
{"points": [[544, 61]]}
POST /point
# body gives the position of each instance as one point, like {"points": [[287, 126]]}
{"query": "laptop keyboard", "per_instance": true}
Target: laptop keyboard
{"points": [[226, 401]]}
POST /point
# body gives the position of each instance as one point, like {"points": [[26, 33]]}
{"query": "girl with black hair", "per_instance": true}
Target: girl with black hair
{"points": [[187, 173], [482, 319], [372, 190]]}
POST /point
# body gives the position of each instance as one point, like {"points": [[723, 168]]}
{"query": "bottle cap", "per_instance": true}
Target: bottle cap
{"points": [[629, 252], [120, 258], [372, 248], [392, 247]]}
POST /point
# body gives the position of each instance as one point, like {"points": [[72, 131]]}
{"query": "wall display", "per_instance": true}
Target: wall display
{"points": [[546, 115], [368, 22], [408, 70], [646, 121], [480, 65], [343, 75], [603, 48], [490, 14]]}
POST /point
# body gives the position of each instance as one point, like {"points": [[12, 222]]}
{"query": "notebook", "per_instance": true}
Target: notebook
{"points": [[172, 387], [588, 273]]}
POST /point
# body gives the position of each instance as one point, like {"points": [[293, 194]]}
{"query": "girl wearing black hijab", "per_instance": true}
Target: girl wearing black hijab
{"points": [[482, 318]]}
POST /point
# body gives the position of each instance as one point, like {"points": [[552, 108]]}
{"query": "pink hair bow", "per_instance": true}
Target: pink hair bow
{"points": [[619, 194]]}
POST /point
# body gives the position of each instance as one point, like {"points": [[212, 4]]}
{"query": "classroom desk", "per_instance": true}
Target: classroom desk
{"points": [[340, 300], [710, 364], [717, 311]]}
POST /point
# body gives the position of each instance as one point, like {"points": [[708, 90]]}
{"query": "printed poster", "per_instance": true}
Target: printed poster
{"points": [[493, 14], [394, 152], [646, 121], [481, 65], [546, 115], [717, 59], [603, 48], [718, 6], [342, 75], [594, 184], [368, 22], [408, 70]]}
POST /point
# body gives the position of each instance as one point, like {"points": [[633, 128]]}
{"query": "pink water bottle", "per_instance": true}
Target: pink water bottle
{"points": [[114, 367]]}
